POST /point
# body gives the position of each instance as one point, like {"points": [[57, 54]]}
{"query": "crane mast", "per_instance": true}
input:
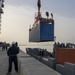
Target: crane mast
{"points": [[1, 11]]}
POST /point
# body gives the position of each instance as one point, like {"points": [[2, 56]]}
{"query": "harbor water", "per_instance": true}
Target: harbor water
{"points": [[47, 46]]}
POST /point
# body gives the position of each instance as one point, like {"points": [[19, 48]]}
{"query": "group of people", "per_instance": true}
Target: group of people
{"points": [[63, 45], [12, 53], [4, 47]]}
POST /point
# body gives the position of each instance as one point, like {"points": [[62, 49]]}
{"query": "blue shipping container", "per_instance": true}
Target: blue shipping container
{"points": [[42, 33]]}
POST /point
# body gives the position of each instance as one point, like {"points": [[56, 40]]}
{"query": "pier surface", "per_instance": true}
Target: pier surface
{"points": [[27, 65]]}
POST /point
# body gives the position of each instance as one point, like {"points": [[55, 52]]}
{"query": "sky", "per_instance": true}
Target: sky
{"points": [[19, 15]]}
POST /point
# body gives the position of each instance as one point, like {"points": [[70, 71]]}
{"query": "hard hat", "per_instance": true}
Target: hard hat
{"points": [[13, 43]]}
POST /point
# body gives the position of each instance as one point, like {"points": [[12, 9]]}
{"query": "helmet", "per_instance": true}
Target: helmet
{"points": [[13, 43]]}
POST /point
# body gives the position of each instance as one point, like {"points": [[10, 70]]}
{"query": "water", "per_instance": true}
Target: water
{"points": [[48, 46]]}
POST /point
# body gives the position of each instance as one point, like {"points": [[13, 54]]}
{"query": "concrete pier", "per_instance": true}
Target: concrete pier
{"points": [[30, 66], [27, 65]]}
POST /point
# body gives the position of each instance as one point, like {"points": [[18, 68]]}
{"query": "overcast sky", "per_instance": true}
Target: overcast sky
{"points": [[19, 14]]}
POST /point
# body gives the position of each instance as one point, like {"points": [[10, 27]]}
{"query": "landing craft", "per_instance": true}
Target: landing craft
{"points": [[43, 28]]}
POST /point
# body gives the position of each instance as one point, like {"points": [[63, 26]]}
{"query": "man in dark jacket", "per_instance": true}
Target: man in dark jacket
{"points": [[12, 53]]}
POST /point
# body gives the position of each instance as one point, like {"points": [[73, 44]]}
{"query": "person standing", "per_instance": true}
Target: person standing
{"points": [[16, 44], [12, 53]]}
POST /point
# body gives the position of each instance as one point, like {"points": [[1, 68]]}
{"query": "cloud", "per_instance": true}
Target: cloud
{"points": [[15, 23], [64, 29]]}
